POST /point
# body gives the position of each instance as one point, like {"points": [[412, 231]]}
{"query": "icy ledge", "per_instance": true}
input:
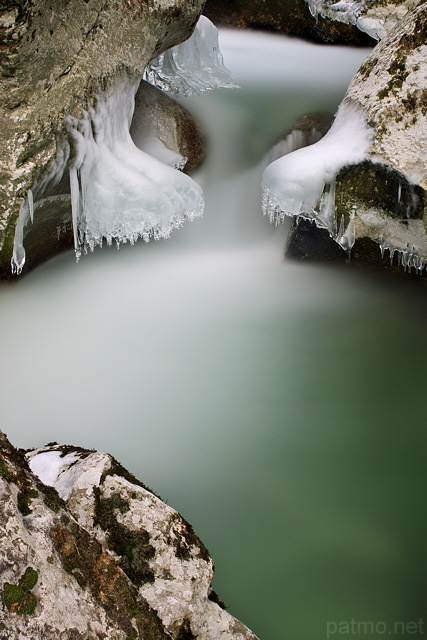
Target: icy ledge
{"points": [[118, 192], [192, 67], [302, 183]]}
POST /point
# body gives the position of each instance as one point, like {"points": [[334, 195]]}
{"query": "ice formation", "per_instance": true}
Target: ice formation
{"points": [[296, 139], [118, 192], [192, 67], [302, 183], [349, 12]]}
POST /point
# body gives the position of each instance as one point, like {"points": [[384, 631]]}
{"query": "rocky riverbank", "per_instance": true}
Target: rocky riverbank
{"points": [[90, 551]]}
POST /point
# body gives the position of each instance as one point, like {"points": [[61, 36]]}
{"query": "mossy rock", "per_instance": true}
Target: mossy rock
{"points": [[29, 579], [18, 598], [379, 187]]}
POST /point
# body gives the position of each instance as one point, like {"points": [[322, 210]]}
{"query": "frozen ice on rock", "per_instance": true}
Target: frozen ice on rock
{"points": [[193, 66]]}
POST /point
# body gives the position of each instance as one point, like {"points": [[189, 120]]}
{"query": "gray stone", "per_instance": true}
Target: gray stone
{"points": [[93, 553]]}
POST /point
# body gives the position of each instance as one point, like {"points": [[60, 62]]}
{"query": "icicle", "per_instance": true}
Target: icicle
{"points": [[30, 204], [75, 209], [192, 67], [18, 255], [382, 246], [327, 217]]}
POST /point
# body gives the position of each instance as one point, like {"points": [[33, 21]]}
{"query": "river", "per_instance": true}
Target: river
{"points": [[280, 406]]}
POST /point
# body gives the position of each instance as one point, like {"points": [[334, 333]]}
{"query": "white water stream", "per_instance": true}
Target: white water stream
{"points": [[280, 406]]}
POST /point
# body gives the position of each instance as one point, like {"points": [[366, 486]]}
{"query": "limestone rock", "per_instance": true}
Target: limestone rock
{"points": [[391, 89], [54, 61], [92, 552]]}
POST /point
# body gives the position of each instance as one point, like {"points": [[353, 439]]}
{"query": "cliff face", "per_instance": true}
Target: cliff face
{"points": [[55, 60], [92, 552]]}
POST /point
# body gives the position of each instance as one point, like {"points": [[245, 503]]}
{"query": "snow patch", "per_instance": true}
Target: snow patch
{"points": [[48, 465]]}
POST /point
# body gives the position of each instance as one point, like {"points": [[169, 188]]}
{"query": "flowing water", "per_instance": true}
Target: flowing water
{"points": [[279, 406]]}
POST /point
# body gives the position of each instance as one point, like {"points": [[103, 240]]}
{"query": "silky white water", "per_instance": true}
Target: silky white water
{"points": [[280, 406]]}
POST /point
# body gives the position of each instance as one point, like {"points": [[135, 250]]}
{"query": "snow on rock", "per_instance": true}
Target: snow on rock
{"points": [[192, 67], [374, 17], [302, 183], [113, 560], [121, 192], [367, 177]]}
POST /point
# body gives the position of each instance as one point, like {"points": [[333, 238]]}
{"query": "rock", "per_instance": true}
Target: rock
{"points": [[388, 190], [54, 62], [307, 243], [391, 87], [92, 552], [292, 17], [374, 17], [158, 115]]}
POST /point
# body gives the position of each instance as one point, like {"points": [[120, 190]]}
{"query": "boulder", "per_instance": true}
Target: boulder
{"points": [[90, 551]]}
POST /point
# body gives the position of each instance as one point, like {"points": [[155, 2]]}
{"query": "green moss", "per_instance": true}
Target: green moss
{"points": [[81, 555], [187, 540], [133, 547], [24, 499], [383, 93], [116, 469], [213, 596], [52, 498], [18, 598], [5, 472], [131, 634], [378, 187], [29, 579]]}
